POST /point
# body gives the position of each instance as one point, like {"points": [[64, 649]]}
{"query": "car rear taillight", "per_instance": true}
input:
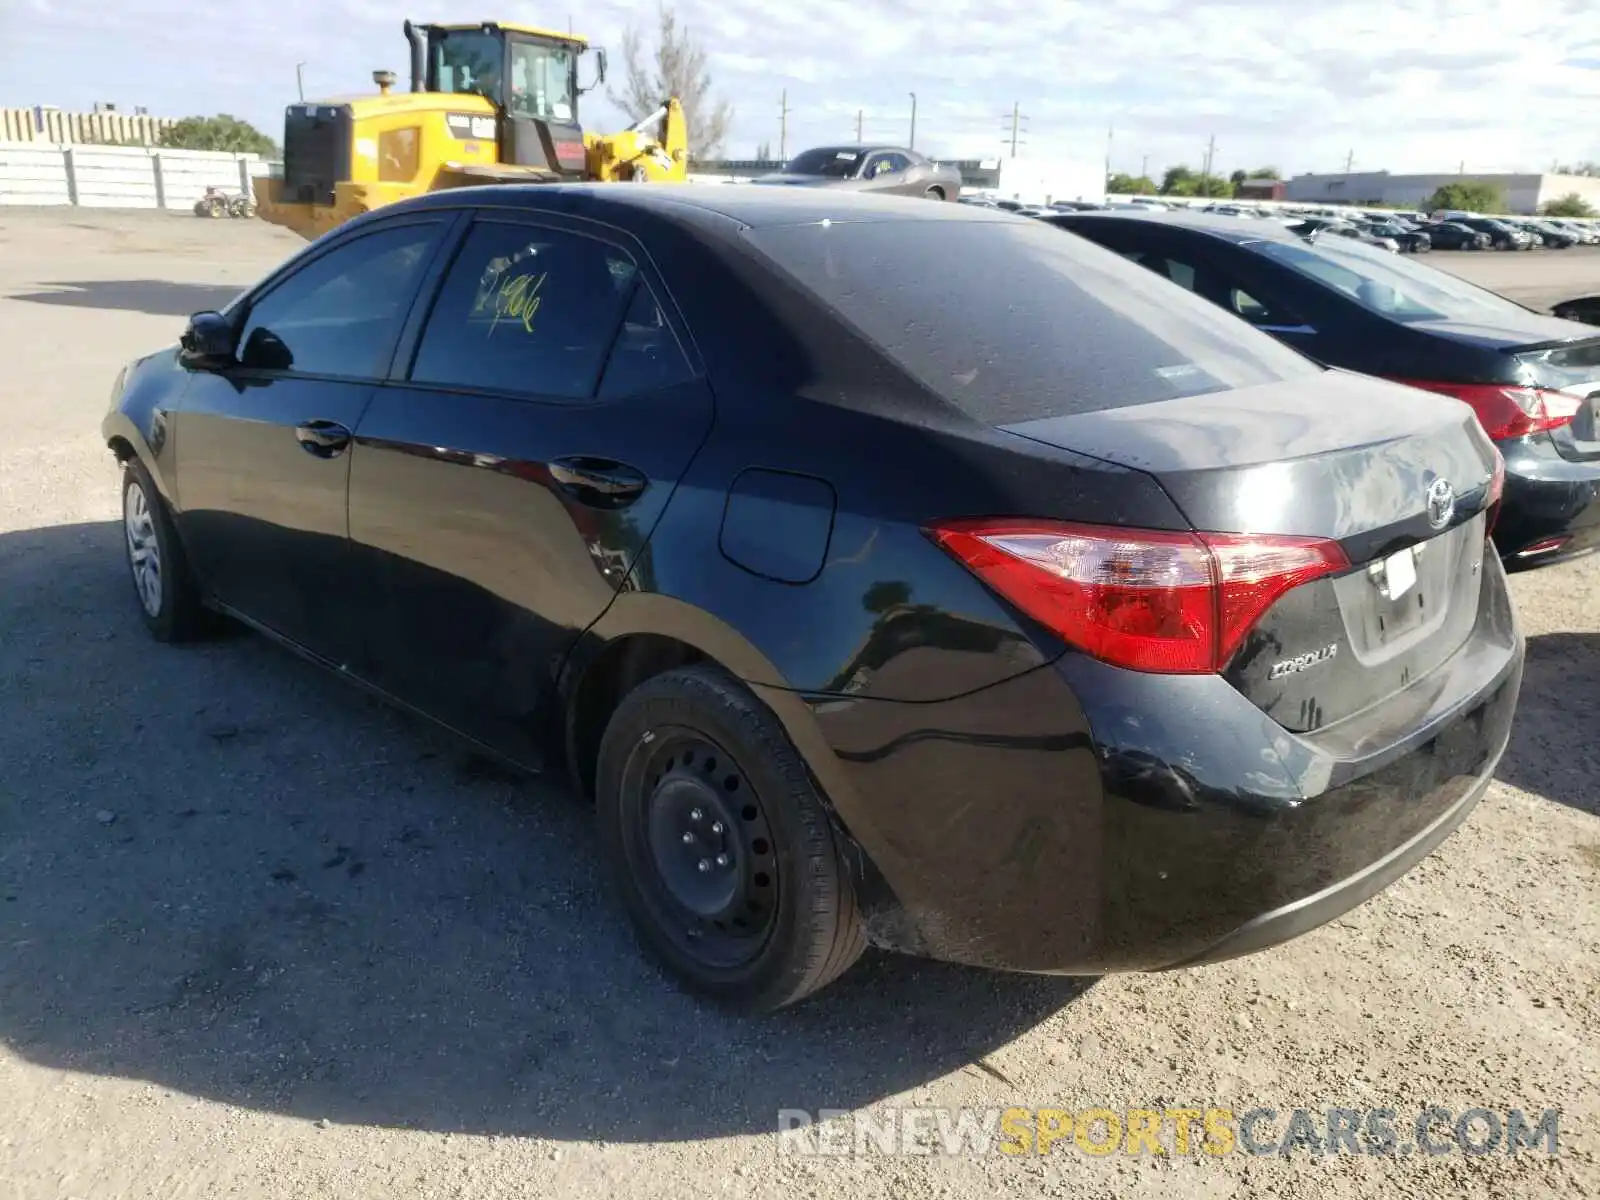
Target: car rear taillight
{"points": [[1505, 410], [1148, 600]]}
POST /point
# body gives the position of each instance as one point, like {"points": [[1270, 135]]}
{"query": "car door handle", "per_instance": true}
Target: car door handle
{"points": [[598, 482], [322, 438]]}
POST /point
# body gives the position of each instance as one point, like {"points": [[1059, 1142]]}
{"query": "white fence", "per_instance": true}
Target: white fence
{"points": [[43, 173]]}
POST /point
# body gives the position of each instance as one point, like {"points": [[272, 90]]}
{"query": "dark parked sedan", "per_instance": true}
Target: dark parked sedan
{"points": [[1533, 380], [1501, 235], [788, 527], [1452, 235], [894, 170]]}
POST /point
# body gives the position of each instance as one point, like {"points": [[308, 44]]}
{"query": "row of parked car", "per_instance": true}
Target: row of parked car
{"points": [[1398, 232]]}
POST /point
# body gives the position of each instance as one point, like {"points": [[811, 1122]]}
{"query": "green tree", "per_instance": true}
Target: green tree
{"points": [[221, 132], [1570, 205], [676, 67], [1582, 168], [1266, 173], [1238, 177], [1213, 185], [1178, 181], [1122, 184], [764, 152], [1468, 196]]}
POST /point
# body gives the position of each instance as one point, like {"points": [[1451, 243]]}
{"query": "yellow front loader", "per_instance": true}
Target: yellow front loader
{"points": [[489, 103]]}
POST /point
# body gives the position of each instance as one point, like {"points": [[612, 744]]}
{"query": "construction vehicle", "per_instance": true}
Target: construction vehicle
{"points": [[489, 103]]}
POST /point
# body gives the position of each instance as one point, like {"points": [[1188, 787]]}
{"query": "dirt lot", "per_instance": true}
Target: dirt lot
{"points": [[260, 936]]}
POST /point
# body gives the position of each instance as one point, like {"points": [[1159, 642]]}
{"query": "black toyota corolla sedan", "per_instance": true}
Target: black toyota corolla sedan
{"points": [[885, 571], [1533, 379]]}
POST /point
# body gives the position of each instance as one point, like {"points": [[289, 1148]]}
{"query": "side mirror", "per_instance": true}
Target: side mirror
{"points": [[1584, 308], [599, 71], [208, 340], [266, 351]]}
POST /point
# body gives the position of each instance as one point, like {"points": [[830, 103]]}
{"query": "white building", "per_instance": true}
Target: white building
{"points": [[1522, 193]]}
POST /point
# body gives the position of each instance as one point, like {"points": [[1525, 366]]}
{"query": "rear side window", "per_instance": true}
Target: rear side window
{"points": [[526, 309], [1389, 285], [646, 356], [1017, 322]]}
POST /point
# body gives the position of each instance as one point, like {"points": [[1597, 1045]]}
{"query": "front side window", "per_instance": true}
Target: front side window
{"points": [[469, 62], [339, 314], [542, 81], [525, 310]]}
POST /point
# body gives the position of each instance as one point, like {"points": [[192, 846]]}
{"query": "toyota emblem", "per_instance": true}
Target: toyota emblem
{"points": [[1441, 503]]}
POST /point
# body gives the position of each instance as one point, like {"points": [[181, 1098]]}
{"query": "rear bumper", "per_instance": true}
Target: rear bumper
{"points": [[1081, 819], [1546, 497], [1307, 913]]}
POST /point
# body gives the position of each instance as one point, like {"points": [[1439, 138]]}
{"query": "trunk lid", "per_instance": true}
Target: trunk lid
{"points": [[1340, 456]]}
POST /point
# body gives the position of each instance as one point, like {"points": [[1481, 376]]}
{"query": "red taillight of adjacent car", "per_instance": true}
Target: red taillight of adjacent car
{"points": [[1148, 600], [1506, 411]]}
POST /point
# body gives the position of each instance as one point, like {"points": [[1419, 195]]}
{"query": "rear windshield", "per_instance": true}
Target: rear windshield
{"points": [[1016, 321], [1389, 284]]}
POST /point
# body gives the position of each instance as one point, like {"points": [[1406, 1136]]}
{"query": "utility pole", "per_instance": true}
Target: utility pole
{"points": [[783, 126], [1211, 149], [858, 126], [1349, 161], [1144, 167], [1111, 134], [300, 80], [1016, 120], [912, 144]]}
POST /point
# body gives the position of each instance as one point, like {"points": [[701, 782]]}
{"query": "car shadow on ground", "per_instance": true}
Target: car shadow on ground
{"points": [[229, 874], [1553, 750], [158, 297]]}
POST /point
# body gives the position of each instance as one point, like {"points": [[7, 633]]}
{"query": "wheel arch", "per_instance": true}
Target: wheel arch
{"points": [[126, 440], [643, 634]]}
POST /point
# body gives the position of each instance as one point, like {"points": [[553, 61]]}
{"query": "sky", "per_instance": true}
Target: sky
{"points": [[1402, 85]]}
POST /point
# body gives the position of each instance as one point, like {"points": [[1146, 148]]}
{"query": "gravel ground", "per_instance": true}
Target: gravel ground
{"points": [[261, 936]]}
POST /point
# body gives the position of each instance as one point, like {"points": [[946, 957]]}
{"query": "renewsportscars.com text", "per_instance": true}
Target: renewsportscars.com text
{"points": [[1213, 1131]]}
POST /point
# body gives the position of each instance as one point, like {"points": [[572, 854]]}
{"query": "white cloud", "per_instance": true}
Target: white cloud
{"points": [[1401, 84]]}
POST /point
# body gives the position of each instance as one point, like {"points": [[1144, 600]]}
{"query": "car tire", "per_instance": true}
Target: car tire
{"points": [[169, 600], [720, 845]]}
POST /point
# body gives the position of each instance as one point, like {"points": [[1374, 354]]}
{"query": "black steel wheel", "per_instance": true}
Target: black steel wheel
{"points": [[710, 843], [723, 852]]}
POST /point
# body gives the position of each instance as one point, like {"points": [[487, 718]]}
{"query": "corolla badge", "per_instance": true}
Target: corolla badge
{"points": [[1441, 503], [1303, 662]]}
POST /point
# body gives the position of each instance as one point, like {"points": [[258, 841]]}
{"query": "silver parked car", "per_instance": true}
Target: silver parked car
{"points": [[892, 169]]}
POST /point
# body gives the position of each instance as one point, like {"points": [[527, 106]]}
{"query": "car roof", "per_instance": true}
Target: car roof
{"points": [[854, 147], [752, 205], [1227, 229]]}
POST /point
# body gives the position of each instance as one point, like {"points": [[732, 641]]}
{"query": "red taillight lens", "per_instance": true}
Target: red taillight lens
{"points": [[1149, 600], [1505, 411]]}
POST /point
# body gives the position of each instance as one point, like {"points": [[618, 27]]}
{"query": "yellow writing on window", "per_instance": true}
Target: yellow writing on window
{"points": [[516, 299]]}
